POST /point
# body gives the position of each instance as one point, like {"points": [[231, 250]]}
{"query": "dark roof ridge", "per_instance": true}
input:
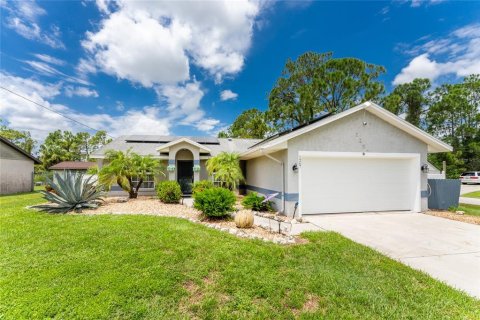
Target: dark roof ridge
{"points": [[25, 153]]}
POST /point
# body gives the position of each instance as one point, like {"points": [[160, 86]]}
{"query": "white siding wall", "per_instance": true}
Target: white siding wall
{"points": [[265, 173], [16, 176], [350, 135]]}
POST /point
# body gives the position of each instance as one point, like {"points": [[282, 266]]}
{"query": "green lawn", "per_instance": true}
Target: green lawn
{"points": [[145, 267], [475, 194], [469, 209]]}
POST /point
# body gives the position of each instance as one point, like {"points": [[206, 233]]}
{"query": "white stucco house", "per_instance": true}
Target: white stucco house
{"points": [[16, 168], [361, 160]]}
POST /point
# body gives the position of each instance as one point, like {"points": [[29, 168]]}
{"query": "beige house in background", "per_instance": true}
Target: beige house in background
{"points": [[16, 168], [364, 159]]}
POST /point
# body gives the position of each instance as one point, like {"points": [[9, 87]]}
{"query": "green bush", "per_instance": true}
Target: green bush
{"points": [[255, 202], [202, 185], [169, 191], [214, 202]]}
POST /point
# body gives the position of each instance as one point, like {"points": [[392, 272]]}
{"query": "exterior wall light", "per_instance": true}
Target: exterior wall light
{"points": [[425, 168], [171, 168], [196, 168], [295, 168]]}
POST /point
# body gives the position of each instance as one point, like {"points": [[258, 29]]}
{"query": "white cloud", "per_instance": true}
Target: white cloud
{"points": [[419, 67], [418, 3], [183, 102], [49, 59], [182, 108], [183, 105], [228, 95], [71, 91], [47, 70], [85, 67], [22, 17], [458, 53], [156, 55], [170, 36], [24, 115], [207, 125], [103, 6]]}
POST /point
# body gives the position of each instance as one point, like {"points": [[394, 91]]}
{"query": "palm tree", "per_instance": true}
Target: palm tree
{"points": [[123, 167], [226, 168]]}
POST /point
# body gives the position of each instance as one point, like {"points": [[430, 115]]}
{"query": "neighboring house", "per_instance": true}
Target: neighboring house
{"points": [[434, 172], [72, 166], [16, 168], [361, 160]]}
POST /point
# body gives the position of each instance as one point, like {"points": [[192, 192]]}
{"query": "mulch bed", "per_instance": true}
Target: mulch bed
{"points": [[153, 206], [454, 216]]}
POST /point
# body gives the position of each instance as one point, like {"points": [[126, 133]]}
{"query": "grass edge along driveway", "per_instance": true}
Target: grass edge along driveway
{"points": [[474, 194], [146, 267]]}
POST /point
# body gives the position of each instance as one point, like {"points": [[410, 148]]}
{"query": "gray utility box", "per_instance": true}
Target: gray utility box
{"points": [[444, 193]]}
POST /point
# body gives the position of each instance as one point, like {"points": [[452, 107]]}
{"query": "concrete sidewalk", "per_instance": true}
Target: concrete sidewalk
{"points": [[473, 201], [447, 250]]}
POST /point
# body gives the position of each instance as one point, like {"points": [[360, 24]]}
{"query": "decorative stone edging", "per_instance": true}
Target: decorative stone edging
{"points": [[283, 225], [279, 239]]}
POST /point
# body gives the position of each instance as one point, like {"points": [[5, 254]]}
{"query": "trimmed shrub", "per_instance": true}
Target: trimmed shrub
{"points": [[169, 191], [255, 202], [214, 202], [202, 185]]}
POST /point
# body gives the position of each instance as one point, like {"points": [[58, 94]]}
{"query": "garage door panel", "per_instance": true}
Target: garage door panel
{"points": [[331, 185]]}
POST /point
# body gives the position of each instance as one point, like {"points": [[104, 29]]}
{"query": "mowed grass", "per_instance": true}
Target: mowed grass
{"points": [[475, 194], [469, 209], [145, 267]]}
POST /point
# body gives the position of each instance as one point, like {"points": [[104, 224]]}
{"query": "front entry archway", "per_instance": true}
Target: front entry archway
{"points": [[185, 175]]}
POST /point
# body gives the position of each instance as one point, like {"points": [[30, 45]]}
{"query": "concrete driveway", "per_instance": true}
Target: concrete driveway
{"points": [[447, 250]]}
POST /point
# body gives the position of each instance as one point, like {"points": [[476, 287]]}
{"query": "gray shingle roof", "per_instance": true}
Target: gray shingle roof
{"points": [[147, 144]]}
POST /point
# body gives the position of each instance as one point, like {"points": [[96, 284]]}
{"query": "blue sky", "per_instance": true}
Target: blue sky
{"points": [[189, 68]]}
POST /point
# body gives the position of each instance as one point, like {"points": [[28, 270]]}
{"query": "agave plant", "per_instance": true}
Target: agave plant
{"points": [[73, 192]]}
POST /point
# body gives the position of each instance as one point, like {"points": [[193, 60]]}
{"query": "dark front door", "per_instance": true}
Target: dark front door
{"points": [[185, 175]]}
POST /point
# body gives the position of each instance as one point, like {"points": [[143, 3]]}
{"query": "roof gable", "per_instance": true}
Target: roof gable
{"points": [[17, 148], [166, 147], [271, 145]]}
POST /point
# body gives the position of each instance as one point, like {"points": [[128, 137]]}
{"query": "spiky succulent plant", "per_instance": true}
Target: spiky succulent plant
{"points": [[72, 192]]}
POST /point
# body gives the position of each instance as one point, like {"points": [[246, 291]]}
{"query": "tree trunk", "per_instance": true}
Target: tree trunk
{"points": [[131, 193]]}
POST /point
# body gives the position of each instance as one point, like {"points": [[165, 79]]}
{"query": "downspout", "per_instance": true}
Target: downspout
{"points": [[283, 175]]}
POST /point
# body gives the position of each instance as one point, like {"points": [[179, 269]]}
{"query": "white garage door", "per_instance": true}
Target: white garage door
{"points": [[353, 182]]}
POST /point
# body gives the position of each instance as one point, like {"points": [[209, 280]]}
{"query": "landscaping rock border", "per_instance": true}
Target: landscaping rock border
{"points": [[152, 206]]}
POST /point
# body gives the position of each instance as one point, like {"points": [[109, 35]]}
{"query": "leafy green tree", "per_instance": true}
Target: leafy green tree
{"points": [[454, 117], [409, 98], [123, 167], [23, 139], [225, 167], [223, 134], [251, 124], [59, 146], [454, 161], [88, 143], [66, 146], [316, 83]]}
